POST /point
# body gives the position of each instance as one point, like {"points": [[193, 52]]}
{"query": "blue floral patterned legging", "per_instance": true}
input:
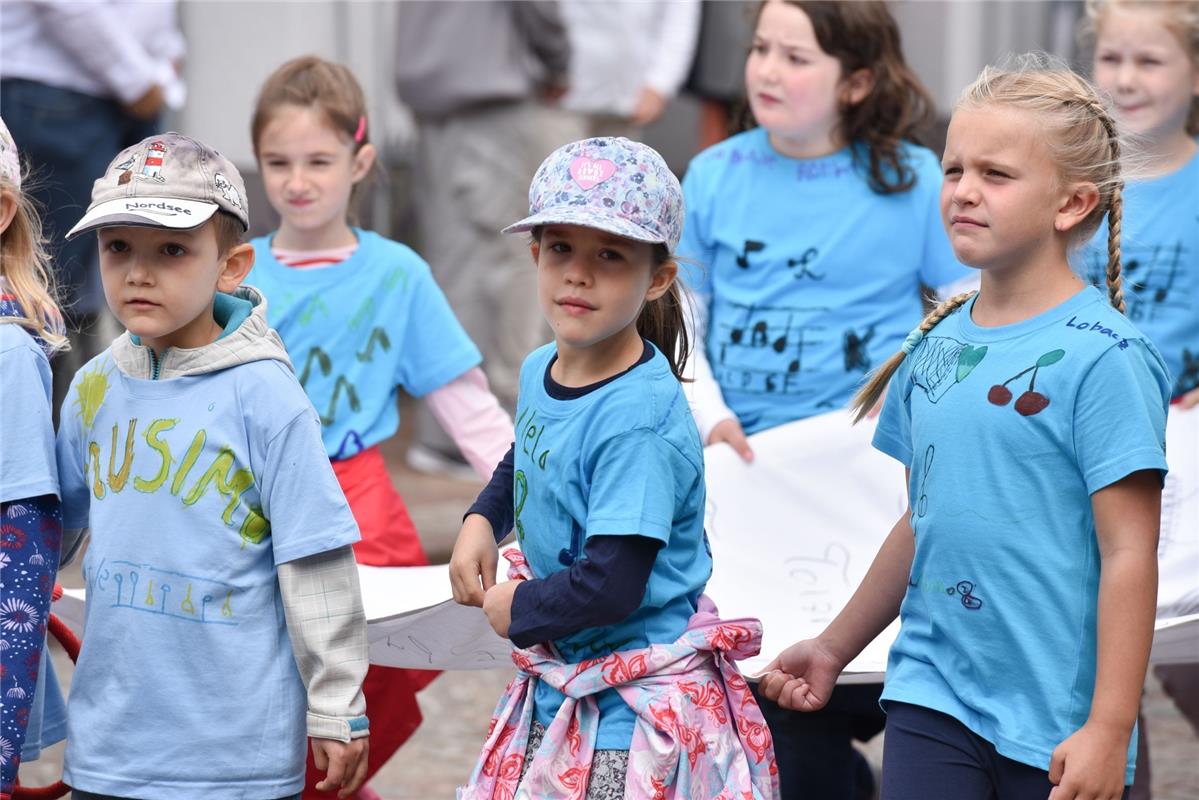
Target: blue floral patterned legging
{"points": [[30, 537]]}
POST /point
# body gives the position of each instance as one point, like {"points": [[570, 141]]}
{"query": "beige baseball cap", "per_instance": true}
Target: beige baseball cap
{"points": [[165, 181]]}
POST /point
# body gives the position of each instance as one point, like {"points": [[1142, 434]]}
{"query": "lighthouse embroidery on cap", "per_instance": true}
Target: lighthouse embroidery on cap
{"points": [[152, 166]]}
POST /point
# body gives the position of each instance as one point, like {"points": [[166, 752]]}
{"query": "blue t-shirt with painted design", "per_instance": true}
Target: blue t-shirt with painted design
{"points": [[358, 330], [624, 459], [810, 278], [1008, 431], [195, 489], [1159, 244]]}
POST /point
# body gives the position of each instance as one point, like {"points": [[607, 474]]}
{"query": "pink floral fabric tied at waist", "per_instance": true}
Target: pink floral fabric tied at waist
{"points": [[699, 732]]}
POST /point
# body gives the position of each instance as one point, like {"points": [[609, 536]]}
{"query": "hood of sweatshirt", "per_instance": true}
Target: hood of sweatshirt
{"points": [[251, 339]]}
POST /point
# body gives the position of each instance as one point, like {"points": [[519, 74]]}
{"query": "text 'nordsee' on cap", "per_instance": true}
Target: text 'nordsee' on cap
{"points": [[165, 181]]}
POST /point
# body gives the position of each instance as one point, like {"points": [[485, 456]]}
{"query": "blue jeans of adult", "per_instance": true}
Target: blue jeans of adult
{"points": [[68, 139], [814, 750]]}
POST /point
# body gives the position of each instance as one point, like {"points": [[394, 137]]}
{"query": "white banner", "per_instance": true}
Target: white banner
{"points": [[792, 536]]}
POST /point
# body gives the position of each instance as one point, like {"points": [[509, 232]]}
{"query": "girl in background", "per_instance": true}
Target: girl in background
{"points": [[361, 317], [813, 237]]}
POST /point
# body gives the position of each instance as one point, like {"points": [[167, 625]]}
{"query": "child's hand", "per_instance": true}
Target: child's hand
{"points": [[344, 764], [730, 432], [473, 563], [802, 677], [1090, 763], [497, 605]]}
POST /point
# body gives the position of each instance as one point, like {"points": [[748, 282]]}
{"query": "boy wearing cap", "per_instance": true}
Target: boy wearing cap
{"points": [[223, 614]]}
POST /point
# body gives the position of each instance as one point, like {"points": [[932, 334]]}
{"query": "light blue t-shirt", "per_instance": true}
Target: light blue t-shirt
{"points": [[1008, 431], [28, 469], [357, 330], [810, 278], [1159, 246], [195, 489], [624, 459]]}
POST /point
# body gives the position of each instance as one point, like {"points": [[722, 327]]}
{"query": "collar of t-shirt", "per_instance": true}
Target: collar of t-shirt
{"points": [[313, 259], [560, 392]]}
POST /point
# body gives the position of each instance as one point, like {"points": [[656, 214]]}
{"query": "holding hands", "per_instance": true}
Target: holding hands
{"points": [[344, 764], [474, 561], [802, 677]]}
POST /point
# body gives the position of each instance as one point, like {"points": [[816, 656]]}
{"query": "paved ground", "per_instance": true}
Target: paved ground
{"points": [[457, 706]]}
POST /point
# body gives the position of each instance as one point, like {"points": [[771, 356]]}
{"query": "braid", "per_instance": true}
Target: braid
{"points": [[1115, 217], [869, 395]]}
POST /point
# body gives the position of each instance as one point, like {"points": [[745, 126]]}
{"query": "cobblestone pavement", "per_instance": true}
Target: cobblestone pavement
{"points": [[458, 706]]}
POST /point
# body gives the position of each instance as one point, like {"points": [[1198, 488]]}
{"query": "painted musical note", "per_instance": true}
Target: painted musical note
{"points": [[750, 247]]}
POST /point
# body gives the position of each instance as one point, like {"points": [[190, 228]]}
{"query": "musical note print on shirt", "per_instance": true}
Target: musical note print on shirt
{"points": [[1151, 276], [762, 351]]}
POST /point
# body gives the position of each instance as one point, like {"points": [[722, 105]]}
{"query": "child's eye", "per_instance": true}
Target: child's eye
{"points": [[559, 247], [794, 59], [1109, 58], [174, 250], [758, 47], [952, 171], [1148, 62], [994, 173], [117, 246], [611, 255], [275, 163]]}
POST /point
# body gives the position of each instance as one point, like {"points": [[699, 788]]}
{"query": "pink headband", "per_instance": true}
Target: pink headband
{"points": [[360, 134]]}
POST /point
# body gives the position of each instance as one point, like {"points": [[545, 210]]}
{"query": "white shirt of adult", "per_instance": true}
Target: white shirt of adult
{"points": [[618, 49], [102, 48]]}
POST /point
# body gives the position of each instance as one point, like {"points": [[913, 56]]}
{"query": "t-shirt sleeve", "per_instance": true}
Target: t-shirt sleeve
{"points": [[1120, 415], [633, 486], [301, 497], [695, 249], [72, 465], [27, 466], [893, 435], [939, 266], [435, 348]]}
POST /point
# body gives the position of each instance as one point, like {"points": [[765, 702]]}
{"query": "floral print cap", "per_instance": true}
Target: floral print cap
{"points": [[10, 165], [611, 184]]}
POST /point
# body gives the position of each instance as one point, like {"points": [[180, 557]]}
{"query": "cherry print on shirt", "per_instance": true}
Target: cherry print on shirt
{"points": [[1030, 402]]}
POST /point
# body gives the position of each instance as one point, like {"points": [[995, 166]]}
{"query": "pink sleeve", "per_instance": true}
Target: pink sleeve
{"points": [[468, 411]]}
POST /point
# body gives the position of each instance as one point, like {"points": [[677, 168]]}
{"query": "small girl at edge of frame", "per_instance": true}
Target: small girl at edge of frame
{"points": [[604, 486], [1147, 60], [31, 330], [1025, 571], [360, 316]]}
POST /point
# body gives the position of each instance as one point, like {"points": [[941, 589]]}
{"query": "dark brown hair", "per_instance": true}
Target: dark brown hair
{"points": [[228, 230], [661, 321], [864, 35], [312, 82]]}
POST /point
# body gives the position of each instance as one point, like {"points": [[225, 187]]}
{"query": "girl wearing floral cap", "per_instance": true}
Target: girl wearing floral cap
{"points": [[626, 685]]}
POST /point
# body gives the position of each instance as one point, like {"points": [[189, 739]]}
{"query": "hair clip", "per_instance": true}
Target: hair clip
{"points": [[360, 134], [912, 342]]}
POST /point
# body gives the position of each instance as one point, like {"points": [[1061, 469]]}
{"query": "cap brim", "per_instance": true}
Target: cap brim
{"points": [[146, 212], [588, 217]]}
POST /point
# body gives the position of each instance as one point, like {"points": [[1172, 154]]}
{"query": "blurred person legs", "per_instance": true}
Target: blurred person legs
{"points": [[472, 175]]}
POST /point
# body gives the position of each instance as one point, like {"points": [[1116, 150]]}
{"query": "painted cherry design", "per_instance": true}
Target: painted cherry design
{"points": [[1031, 402]]}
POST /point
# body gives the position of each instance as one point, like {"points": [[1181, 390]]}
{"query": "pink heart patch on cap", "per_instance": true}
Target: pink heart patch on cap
{"points": [[589, 172]]}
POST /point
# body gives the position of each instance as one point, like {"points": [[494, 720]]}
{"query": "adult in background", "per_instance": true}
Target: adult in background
{"points": [[626, 67], [481, 80], [79, 82]]}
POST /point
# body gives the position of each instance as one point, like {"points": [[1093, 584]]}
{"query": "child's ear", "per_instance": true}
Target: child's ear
{"points": [[364, 159], [535, 250], [858, 86], [1081, 201], [664, 276], [8, 210], [235, 267]]}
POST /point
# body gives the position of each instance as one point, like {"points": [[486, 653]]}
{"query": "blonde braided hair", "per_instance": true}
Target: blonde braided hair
{"points": [[1084, 143]]}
